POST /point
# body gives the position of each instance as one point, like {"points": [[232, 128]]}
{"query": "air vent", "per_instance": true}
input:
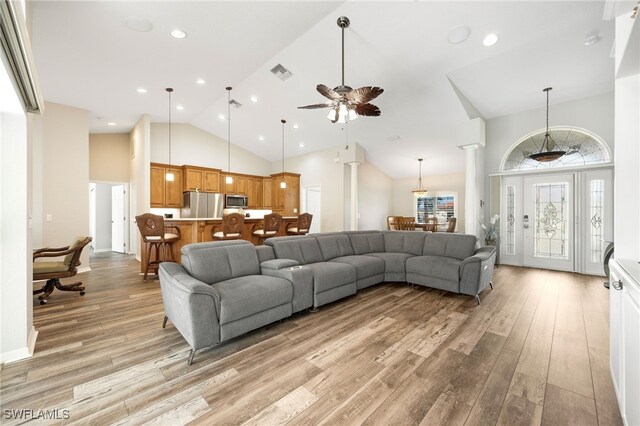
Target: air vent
{"points": [[235, 103], [393, 138], [281, 72]]}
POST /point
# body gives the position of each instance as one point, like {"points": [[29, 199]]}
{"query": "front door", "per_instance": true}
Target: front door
{"points": [[548, 222]]}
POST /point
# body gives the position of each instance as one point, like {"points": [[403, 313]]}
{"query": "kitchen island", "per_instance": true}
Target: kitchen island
{"points": [[199, 230]]}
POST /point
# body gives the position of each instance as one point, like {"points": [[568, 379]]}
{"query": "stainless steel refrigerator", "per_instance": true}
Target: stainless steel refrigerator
{"points": [[202, 205]]}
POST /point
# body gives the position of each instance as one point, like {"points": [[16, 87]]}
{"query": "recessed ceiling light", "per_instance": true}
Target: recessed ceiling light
{"points": [[178, 34], [592, 39], [301, 145], [296, 126], [490, 40], [139, 24], [260, 137], [179, 107], [141, 90], [221, 116], [459, 34], [200, 81], [111, 123], [254, 99]]}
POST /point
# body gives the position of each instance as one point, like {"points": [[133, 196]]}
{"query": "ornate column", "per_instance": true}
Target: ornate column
{"points": [[353, 212]]}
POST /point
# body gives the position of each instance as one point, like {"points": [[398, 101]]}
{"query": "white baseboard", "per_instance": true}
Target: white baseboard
{"points": [[22, 353], [101, 250], [85, 269]]}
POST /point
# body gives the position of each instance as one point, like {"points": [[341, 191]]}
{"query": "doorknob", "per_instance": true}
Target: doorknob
{"points": [[526, 226]]}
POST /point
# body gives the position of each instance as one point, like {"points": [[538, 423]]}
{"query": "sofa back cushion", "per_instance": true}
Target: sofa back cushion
{"points": [[457, 246], [365, 242], [334, 244], [409, 242], [220, 260], [303, 249]]}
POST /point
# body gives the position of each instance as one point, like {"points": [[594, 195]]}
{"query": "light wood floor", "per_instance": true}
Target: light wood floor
{"points": [[535, 352]]}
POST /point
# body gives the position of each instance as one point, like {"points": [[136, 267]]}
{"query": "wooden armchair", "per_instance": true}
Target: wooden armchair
{"points": [[52, 271], [451, 224], [406, 223], [392, 222], [231, 229], [269, 227], [303, 225], [431, 224]]}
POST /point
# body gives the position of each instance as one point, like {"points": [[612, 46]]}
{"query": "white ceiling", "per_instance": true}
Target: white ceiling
{"points": [[87, 58]]}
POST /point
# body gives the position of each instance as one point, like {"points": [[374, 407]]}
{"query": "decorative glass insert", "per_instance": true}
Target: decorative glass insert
{"points": [[441, 206], [582, 149], [511, 219], [596, 216], [551, 220]]}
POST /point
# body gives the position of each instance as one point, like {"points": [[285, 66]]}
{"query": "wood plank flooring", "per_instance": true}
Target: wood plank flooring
{"points": [[535, 352]]}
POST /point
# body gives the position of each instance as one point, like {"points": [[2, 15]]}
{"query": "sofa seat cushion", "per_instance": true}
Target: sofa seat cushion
{"points": [[393, 262], [445, 268], [329, 275], [366, 266], [249, 295]]}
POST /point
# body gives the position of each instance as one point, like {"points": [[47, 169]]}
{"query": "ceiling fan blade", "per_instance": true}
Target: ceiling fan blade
{"points": [[368, 110], [316, 106], [328, 92], [364, 94]]}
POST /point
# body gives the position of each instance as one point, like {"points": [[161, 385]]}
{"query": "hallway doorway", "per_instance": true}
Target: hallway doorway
{"points": [[109, 207]]}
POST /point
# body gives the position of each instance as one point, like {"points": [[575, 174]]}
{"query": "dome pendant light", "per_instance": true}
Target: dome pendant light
{"points": [[547, 152], [283, 184], [229, 179], [169, 177], [420, 192]]}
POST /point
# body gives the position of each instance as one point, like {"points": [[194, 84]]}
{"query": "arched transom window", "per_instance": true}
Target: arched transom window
{"points": [[582, 148]]}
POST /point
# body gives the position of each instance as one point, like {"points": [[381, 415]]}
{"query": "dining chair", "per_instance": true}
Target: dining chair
{"points": [[406, 223], [392, 223], [451, 224], [431, 224]]}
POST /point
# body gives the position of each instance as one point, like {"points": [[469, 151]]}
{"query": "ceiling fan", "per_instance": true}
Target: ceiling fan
{"points": [[347, 103]]}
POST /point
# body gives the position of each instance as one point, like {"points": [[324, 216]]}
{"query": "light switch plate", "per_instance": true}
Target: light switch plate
{"points": [[49, 217]]}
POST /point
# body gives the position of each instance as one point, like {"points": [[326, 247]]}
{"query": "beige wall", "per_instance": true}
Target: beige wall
{"points": [[65, 183], [375, 197], [109, 158], [193, 146], [403, 198]]}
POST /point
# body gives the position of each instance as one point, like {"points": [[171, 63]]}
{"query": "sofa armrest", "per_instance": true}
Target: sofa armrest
{"points": [[301, 277], [191, 305], [476, 272], [277, 264]]}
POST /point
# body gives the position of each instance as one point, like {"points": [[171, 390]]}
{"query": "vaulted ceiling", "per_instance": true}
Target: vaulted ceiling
{"points": [[88, 58]]}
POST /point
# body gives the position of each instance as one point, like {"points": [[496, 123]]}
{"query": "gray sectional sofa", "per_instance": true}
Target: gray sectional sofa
{"points": [[225, 289]]}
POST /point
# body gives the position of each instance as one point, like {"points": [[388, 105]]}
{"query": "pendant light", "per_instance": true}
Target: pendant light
{"points": [[229, 179], [420, 192], [283, 184], [547, 152], [169, 177]]}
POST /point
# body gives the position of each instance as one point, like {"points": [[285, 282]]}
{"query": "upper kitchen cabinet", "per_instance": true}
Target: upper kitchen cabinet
{"points": [[165, 193], [267, 190], [242, 185], [201, 178], [288, 199], [229, 188]]}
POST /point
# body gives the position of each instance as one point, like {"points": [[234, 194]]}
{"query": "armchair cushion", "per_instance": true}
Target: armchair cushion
{"points": [[77, 241], [48, 267]]}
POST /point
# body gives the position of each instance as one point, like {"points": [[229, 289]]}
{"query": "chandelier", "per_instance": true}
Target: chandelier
{"points": [[547, 152], [420, 192]]}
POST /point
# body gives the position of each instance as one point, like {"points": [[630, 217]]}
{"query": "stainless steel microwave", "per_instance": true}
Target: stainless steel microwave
{"points": [[236, 201]]}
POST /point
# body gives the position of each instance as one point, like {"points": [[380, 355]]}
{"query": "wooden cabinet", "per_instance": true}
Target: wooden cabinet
{"points": [[165, 193], [287, 199], [267, 190], [242, 185], [229, 188], [203, 179], [257, 192]]}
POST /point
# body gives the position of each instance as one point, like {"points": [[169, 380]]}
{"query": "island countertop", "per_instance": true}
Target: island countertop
{"points": [[198, 230]]}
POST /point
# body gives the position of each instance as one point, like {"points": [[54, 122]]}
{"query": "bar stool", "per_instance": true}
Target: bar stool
{"points": [[268, 228], [155, 237], [303, 225], [232, 227]]}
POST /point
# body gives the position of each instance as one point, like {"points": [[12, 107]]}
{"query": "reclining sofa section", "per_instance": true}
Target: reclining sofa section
{"points": [[225, 289]]}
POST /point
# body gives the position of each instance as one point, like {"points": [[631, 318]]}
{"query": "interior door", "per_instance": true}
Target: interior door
{"points": [[313, 207], [548, 222], [118, 218]]}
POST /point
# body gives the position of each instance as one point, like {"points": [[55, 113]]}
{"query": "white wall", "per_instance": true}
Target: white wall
{"points": [[139, 189], [403, 199], [193, 146], [109, 157], [375, 196], [65, 186], [319, 169], [594, 114], [103, 217]]}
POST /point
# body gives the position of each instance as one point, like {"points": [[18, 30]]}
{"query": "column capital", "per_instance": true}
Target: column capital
{"points": [[471, 146], [354, 163]]}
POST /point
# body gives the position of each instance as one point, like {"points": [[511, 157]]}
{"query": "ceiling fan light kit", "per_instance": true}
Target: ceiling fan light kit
{"points": [[346, 103], [547, 152], [420, 191], [169, 177]]}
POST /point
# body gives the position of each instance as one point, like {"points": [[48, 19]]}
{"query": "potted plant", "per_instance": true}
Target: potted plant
{"points": [[491, 230]]}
